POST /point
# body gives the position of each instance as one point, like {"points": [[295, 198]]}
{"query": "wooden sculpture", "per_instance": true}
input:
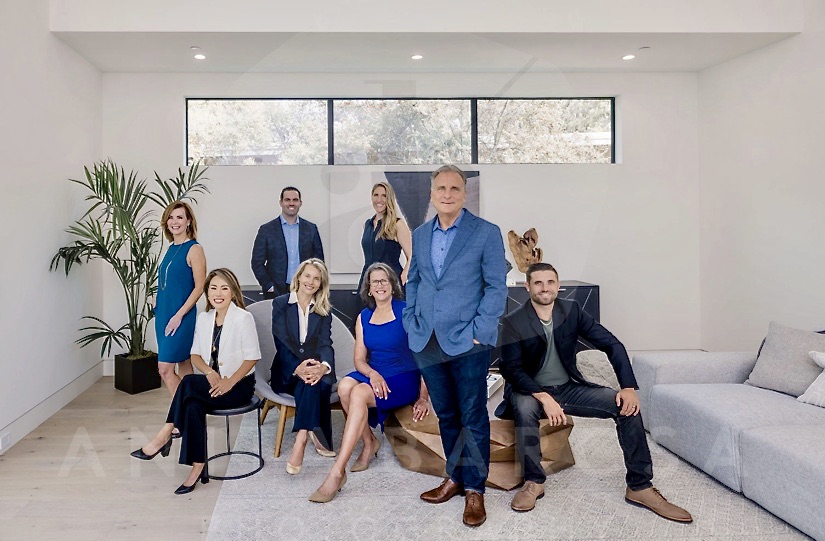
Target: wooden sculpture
{"points": [[524, 248]]}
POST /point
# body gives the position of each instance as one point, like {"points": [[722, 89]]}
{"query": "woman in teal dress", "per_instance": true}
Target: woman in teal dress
{"points": [[181, 276], [385, 377]]}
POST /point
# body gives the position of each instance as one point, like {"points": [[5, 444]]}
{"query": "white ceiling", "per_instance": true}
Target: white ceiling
{"points": [[254, 52]]}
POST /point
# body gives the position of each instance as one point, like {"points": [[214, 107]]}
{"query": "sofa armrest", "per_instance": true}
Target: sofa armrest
{"points": [[662, 367]]}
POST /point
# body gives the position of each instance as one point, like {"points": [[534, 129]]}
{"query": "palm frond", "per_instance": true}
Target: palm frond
{"points": [[103, 332], [122, 230]]}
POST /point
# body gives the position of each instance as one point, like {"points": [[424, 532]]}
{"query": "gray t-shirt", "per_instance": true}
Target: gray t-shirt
{"points": [[552, 372]]}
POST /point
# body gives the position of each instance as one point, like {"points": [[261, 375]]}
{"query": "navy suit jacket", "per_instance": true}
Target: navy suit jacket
{"points": [[290, 352], [524, 344], [466, 302], [269, 257]]}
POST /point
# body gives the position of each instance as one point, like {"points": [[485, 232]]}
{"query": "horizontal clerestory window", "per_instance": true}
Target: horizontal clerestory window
{"points": [[407, 131]]}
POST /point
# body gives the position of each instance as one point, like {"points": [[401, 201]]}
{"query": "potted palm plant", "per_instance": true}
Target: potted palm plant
{"points": [[121, 228]]}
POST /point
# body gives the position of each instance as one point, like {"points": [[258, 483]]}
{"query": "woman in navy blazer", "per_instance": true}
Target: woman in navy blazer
{"points": [[304, 364]]}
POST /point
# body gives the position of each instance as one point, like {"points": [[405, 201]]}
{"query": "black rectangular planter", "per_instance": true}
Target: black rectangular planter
{"points": [[136, 375]]}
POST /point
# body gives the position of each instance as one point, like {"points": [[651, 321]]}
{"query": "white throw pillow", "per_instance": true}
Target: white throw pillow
{"points": [[816, 392]]}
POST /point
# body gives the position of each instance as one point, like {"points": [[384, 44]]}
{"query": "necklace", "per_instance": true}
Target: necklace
{"points": [[548, 324], [165, 275], [216, 337]]}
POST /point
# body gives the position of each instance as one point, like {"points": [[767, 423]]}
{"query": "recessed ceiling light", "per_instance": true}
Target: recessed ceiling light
{"points": [[629, 57], [200, 57], [417, 57], [195, 48], [644, 47]]}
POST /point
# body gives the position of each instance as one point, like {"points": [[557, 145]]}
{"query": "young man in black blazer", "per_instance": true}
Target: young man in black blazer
{"points": [[282, 244], [538, 361]]}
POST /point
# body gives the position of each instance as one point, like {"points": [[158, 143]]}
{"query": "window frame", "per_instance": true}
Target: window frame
{"points": [[330, 105]]}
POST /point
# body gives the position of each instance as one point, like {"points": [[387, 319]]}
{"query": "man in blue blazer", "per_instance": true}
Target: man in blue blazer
{"points": [[456, 292], [538, 361], [282, 244]]}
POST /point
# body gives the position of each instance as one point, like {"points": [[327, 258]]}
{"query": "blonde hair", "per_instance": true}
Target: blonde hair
{"points": [[191, 231], [321, 302], [389, 225], [229, 277]]}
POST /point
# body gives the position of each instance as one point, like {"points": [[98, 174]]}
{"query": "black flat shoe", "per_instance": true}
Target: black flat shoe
{"points": [[164, 451], [184, 489]]}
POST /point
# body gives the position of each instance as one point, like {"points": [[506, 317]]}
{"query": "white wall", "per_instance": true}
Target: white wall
{"points": [[427, 16], [51, 126], [632, 228], [762, 190]]}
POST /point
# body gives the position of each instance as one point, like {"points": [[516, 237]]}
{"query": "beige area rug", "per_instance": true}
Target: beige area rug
{"points": [[584, 502]]}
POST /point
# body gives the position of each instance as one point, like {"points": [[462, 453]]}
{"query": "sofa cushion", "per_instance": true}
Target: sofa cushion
{"points": [[815, 394], [656, 367], [702, 422], [784, 364], [783, 471]]}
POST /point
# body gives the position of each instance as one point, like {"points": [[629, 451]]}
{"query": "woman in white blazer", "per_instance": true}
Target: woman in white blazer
{"points": [[225, 350]]}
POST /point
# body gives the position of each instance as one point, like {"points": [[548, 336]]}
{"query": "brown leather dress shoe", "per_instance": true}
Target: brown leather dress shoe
{"points": [[525, 499], [474, 513], [653, 500], [443, 492]]}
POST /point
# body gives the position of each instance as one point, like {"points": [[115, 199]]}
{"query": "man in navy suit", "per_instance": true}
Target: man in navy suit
{"points": [[538, 361], [282, 244], [456, 292]]}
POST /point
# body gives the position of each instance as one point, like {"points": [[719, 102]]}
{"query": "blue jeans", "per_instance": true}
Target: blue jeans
{"points": [[458, 390], [582, 401]]}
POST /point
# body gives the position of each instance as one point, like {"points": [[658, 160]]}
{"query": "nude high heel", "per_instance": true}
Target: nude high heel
{"points": [[363, 467], [317, 497]]}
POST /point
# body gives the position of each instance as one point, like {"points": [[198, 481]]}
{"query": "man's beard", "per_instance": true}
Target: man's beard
{"points": [[541, 302]]}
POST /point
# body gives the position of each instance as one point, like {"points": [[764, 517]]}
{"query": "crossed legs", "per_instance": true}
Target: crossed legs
{"points": [[356, 399]]}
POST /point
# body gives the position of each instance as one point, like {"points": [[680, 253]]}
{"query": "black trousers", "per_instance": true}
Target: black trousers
{"points": [[312, 408], [582, 401], [189, 408]]}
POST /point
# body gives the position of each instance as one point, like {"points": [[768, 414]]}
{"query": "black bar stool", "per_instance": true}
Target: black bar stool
{"points": [[254, 405]]}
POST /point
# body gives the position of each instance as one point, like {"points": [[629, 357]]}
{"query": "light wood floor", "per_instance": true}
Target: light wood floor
{"points": [[73, 478]]}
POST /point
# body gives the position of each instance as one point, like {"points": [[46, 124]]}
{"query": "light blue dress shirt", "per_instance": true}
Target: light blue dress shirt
{"points": [[293, 256], [442, 240]]}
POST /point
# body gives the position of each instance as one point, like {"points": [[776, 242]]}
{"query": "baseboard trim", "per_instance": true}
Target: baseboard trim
{"points": [[23, 425], [108, 367]]}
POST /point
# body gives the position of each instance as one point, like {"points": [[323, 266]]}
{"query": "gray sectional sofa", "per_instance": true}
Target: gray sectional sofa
{"points": [[762, 443]]}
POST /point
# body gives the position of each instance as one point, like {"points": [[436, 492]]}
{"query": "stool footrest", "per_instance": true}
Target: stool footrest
{"points": [[233, 477]]}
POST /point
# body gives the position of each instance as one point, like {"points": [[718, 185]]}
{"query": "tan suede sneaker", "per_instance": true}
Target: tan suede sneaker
{"points": [[525, 498], [653, 500]]}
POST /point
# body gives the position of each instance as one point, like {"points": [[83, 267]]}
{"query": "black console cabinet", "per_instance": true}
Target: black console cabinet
{"points": [[586, 294], [346, 304]]}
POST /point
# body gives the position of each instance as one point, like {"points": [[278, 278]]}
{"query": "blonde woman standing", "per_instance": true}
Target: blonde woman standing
{"points": [[386, 234]]}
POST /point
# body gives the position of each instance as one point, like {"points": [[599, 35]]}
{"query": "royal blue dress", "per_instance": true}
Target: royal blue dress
{"points": [[389, 354], [175, 284], [379, 250]]}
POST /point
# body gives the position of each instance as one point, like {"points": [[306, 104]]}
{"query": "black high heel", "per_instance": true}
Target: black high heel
{"points": [[164, 451], [184, 489]]}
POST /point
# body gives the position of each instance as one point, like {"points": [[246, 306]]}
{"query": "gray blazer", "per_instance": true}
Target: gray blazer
{"points": [[469, 298]]}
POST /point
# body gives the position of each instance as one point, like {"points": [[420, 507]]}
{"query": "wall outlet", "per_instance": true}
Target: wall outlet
{"points": [[5, 442]]}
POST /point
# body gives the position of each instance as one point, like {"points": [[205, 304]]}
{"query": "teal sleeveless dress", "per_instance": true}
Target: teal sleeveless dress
{"points": [[175, 284]]}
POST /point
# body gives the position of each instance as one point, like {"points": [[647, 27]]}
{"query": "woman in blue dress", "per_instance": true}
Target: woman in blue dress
{"points": [[181, 276], [385, 378], [386, 234]]}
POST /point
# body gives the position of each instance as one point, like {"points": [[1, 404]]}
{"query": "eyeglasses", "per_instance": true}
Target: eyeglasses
{"points": [[381, 282]]}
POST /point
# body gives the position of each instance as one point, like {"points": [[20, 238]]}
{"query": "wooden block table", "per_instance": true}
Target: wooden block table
{"points": [[418, 447]]}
